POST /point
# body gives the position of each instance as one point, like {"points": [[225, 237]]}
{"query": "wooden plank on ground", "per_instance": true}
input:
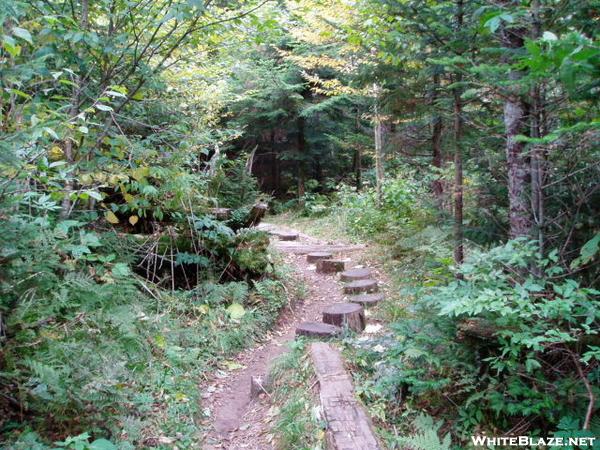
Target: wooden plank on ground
{"points": [[348, 426]]}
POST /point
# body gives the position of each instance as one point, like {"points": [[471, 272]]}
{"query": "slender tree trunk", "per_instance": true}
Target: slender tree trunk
{"points": [[436, 143], [65, 210], [537, 171], [459, 254], [515, 122], [379, 142], [300, 162], [358, 158], [358, 168]]}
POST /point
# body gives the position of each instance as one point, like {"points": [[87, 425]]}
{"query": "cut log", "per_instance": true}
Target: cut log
{"points": [[361, 287], [348, 425], [316, 256], [221, 213], [259, 385], [366, 300], [350, 315], [257, 212], [287, 236], [330, 265], [317, 329], [476, 328], [355, 274]]}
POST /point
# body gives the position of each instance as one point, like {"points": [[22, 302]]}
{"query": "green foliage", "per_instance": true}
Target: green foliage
{"points": [[299, 424], [501, 333], [364, 217], [426, 435]]}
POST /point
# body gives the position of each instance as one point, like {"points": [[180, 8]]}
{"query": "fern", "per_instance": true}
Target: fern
{"points": [[426, 435]]}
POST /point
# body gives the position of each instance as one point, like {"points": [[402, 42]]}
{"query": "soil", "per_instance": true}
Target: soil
{"points": [[235, 420]]}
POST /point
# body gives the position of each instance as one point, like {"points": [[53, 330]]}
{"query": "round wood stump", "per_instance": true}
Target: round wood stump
{"points": [[361, 287], [317, 329], [287, 236], [350, 315], [330, 265], [257, 213], [355, 274], [366, 300], [316, 256], [221, 213]]}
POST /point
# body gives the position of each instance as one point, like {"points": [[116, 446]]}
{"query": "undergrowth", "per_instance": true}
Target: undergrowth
{"points": [[93, 350], [298, 423]]}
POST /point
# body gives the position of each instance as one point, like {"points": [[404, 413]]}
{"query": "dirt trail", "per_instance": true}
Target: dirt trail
{"points": [[237, 422]]}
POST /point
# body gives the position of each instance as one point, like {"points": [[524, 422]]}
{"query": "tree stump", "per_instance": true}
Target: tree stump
{"points": [[317, 329], [350, 315], [316, 256], [221, 213], [366, 300], [330, 265], [287, 236], [355, 274], [361, 287], [257, 212]]}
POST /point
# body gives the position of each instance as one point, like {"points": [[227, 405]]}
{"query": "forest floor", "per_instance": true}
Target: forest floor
{"points": [[235, 420]]}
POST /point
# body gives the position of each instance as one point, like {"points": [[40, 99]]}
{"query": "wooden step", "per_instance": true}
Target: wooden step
{"points": [[366, 300], [317, 256], [330, 265], [361, 287], [351, 315], [287, 236], [348, 425], [317, 329], [355, 274]]}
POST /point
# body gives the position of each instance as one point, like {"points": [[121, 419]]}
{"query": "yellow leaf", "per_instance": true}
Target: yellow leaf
{"points": [[133, 220], [128, 198], [110, 216], [56, 153]]}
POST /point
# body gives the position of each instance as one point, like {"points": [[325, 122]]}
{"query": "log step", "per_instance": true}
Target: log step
{"points": [[366, 300], [355, 274], [348, 425], [287, 236], [351, 315], [330, 265], [317, 256], [317, 329], [361, 287]]}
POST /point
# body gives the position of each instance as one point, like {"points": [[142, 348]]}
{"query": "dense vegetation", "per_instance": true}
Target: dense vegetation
{"points": [[461, 137]]}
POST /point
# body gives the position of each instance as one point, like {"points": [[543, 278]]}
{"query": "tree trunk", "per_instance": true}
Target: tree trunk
{"points": [[65, 209], [358, 168], [379, 142], [436, 143], [358, 158], [301, 169], [459, 255], [537, 170], [515, 122]]}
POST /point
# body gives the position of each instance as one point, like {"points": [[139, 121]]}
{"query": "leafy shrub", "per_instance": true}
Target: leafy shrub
{"points": [[514, 339], [88, 346], [364, 218]]}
